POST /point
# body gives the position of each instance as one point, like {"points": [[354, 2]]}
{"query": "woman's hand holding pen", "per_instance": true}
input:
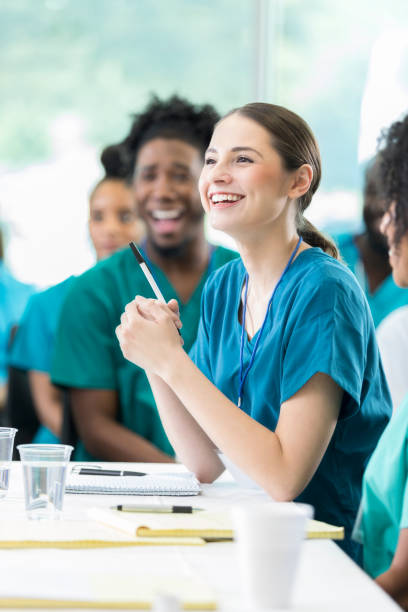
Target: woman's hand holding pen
{"points": [[148, 333]]}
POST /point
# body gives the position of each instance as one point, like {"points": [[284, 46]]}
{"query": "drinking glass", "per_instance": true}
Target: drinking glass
{"points": [[44, 472], [6, 452]]}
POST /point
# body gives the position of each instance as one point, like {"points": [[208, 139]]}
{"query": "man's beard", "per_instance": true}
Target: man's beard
{"points": [[172, 252], [180, 250]]}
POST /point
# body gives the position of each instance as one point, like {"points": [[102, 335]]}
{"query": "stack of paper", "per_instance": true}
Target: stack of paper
{"points": [[77, 534], [129, 590], [208, 525]]}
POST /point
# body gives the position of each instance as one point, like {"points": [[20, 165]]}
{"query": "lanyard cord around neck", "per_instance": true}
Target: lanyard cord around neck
{"points": [[242, 374]]}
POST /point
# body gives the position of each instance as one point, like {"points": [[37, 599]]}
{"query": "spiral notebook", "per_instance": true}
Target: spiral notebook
{"points": [[151, 484]]}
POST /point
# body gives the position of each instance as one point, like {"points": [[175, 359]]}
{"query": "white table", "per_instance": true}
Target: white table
{"points": [[327, 579]]}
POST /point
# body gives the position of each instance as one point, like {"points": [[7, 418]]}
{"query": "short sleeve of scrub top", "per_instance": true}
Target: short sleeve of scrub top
{"points": [[385, 495], [33, 344], [319, 321]]}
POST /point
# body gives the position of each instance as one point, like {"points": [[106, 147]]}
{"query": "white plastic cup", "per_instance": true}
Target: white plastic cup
{"points": [[166, 603], [6, 453], [44, 472], [269, 539]]}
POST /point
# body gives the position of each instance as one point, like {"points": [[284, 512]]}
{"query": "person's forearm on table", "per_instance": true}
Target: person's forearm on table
{"points": [[226, 425], [109, 440], [48, 401], [282, 462]]}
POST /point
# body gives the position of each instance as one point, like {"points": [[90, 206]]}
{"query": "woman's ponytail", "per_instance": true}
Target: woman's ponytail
{"points": [[312, 236]]}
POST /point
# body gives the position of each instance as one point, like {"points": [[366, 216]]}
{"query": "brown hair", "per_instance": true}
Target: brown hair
{"points": [[293, 140]]}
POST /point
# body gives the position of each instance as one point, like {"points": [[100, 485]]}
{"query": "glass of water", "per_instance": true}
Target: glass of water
{"points": [[6, 452], [44, 472]]}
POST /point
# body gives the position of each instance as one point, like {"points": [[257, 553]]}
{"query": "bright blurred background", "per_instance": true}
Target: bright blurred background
{"points": [[73, 71]]}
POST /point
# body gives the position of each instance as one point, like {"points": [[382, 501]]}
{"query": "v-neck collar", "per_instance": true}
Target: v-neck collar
{"points": [[249, 342], [162, 279]]}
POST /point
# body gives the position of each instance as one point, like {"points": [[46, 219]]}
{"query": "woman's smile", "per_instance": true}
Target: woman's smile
{"points": [[243, 173], [224, 199]]}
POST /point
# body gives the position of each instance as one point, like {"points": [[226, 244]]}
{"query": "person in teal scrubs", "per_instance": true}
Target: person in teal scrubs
{"points": [[366, 253], [14, 295], [285, 376], [112, 403], [113, 221], [383, 518], [31, 350]]}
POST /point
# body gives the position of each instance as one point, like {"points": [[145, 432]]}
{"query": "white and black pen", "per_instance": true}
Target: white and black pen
{"points": [[149, 276], [147, 273]]}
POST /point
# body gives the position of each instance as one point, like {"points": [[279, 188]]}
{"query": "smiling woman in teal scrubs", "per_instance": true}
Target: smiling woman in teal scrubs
{"points": [[285, 377]]}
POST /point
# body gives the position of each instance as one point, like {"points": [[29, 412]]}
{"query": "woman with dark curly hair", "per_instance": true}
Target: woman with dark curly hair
{"points": [[112, 403], [113, 221], [383, 517]]}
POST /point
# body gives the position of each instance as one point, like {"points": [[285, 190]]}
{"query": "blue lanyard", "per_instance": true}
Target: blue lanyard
{"points": [[242, 374]]}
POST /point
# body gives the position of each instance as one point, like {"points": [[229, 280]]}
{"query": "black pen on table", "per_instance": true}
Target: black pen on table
{"points": [[157, 509], [149, 276], [102, 472]]}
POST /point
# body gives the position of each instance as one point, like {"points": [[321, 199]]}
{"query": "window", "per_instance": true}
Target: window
{"points": [[73, 71]]}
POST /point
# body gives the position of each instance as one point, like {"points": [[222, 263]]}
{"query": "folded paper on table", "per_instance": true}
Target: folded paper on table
{"points": [[319, 529], [209, 525], [77, 534], [91, 589], [151, 484]]}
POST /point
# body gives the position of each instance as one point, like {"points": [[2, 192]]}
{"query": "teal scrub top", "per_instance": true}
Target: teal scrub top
{"points": [[384, 509], [319, 321], [87, 353], [387, 297], [13, 299], [33, 345]]}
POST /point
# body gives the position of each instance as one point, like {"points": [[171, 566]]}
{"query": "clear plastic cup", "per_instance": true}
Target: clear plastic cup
{"points": [[6, 453], [269, 539], [44, 472]]}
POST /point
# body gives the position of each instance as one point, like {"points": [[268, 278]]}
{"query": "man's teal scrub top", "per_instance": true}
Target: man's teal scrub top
{"points": [[87, 353], [385, 495], [387, 297], [319, 321], [34, 342]]}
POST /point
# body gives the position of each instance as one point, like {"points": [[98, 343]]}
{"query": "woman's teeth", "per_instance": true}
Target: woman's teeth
{"points": [[225, 197]]}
